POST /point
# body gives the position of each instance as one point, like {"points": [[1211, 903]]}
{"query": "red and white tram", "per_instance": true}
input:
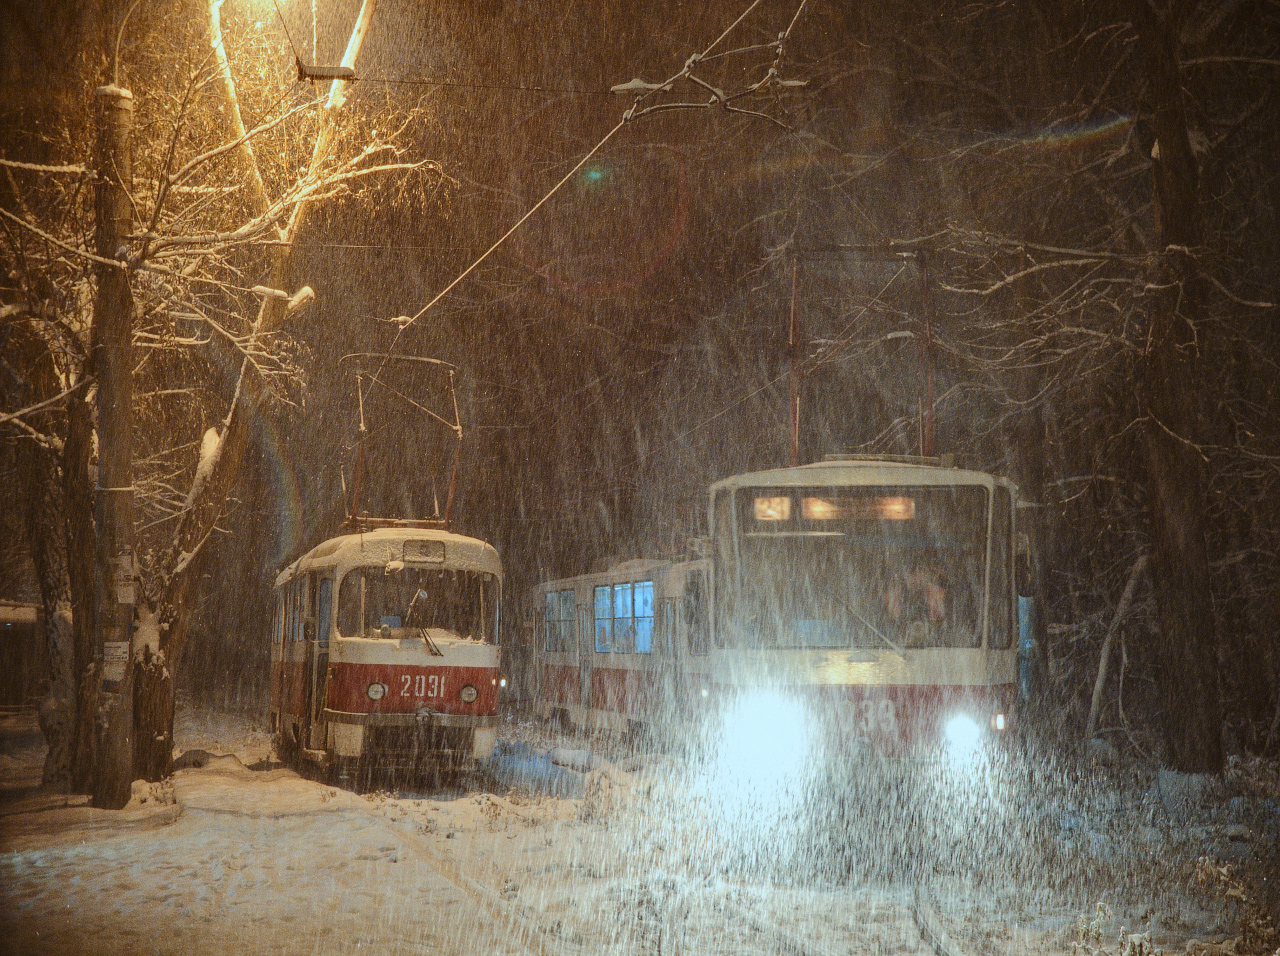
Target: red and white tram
{"points": [[621, 648], [877, 594], [384, 650]]}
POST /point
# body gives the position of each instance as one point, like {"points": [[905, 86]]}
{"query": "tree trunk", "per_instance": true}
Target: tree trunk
{"points": [[45, 536], [78, 485], [1174, 479]]}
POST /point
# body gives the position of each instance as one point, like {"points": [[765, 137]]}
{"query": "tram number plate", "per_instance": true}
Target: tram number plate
{"points": [[877, 717], [421, 685]]}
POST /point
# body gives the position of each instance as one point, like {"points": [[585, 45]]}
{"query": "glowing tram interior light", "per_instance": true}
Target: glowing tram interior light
{"points": [[773, 509], [887, 508], [819, 509]]}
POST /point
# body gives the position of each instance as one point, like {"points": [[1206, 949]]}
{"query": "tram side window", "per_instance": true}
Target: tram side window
{"points": [[311, 606], [624, 618], [604, 619], [296, 602], [560, 605], [277, 622], [1001, 561], [643, 594], [695, 615], [325, 615], [624, 632]]}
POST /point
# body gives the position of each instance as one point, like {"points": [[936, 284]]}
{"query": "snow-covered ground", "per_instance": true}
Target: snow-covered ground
{"points": [[639, 854]]}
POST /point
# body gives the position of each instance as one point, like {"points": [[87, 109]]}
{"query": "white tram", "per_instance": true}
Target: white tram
{"points": [[878, 594], [384, 650]]}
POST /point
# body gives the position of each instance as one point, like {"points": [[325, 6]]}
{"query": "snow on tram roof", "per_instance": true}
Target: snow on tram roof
{"points": [[888, 470], [382, 545]]}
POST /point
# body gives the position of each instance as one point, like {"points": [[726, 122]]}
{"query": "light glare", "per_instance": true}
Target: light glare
{"points": [[963, 736], [763, 749]]}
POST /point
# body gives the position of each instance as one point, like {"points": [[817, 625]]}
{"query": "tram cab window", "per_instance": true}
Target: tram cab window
{"points": [[852, 566], [407, 599]]}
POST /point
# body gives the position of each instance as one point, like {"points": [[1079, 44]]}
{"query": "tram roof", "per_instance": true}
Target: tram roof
{"points": [[862, 471], [383, 545]]}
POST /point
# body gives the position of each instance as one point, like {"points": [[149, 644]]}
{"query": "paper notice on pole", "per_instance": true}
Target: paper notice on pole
{"points": [[115, 657], [124, 577]]}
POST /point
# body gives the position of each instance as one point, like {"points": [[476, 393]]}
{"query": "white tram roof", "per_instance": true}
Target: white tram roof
{"points": [[383, 545], [862, 471]]}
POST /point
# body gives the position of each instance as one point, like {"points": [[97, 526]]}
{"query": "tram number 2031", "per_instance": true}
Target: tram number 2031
{"points": [[877, 717], [421, 685]]}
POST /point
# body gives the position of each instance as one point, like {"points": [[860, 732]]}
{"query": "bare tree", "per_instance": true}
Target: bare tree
{"points": [[215, 225]]}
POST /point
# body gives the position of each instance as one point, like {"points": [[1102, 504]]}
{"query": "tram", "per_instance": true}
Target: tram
{"points": [[384, 650], [876, 594]]}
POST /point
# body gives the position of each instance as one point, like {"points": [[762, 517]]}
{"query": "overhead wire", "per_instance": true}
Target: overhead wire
{"points": [[628, 115], [505, 87]]}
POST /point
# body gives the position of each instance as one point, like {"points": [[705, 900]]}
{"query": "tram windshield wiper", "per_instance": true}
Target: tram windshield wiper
{"points": [[431, 645], [874, 630]]}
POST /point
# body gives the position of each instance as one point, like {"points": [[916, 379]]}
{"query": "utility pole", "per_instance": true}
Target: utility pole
{"points": [[115, 573], [924, 339], [793, 374]]}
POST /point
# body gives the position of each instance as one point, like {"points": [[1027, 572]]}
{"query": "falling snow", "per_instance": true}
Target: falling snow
{"points": [[645, 851]]}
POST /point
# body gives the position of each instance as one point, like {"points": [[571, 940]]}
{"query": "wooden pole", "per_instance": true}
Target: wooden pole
{"points": [[793, 384], [115, 574]]}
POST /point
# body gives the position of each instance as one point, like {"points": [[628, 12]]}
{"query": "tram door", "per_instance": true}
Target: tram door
{"points": [[669, 661], [586, 648], [317, 666]]}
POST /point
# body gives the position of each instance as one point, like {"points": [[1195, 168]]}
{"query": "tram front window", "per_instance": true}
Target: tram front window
{"points": [[855, 567], [460, 602]]}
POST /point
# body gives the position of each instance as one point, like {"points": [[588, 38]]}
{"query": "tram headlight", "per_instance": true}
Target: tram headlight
{"points": [[963, 736], [764, 745], [468, 694], [376, 691]]}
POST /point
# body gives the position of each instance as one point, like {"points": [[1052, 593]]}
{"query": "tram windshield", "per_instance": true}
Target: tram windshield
{"points": [[831, 567], [407, 599]]}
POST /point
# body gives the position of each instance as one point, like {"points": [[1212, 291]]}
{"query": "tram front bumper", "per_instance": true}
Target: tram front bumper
{"points": [[416, 719], [407, 738]]}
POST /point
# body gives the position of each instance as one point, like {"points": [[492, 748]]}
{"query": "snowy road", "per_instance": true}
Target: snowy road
{"points": [[267, 862], [263, 863], [643, 853]]}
